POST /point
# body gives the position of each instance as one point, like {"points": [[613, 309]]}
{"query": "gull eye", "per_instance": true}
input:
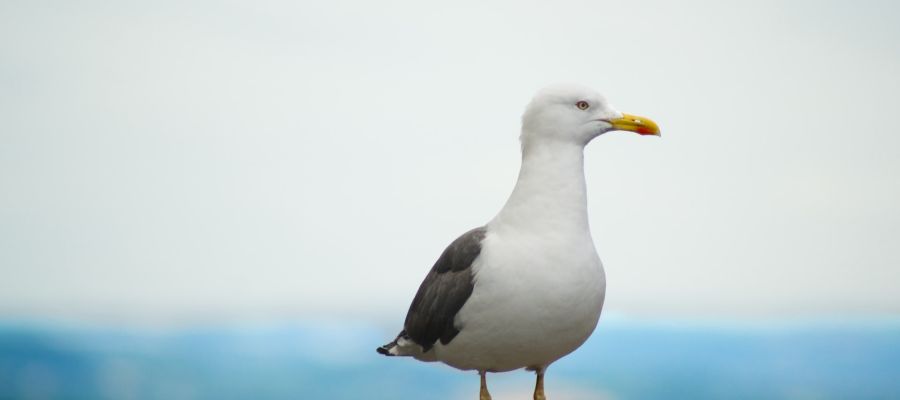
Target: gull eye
{"points": [[582, 105]]}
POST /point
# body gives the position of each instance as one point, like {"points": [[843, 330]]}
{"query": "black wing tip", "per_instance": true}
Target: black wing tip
{"points": [[386, 349]]}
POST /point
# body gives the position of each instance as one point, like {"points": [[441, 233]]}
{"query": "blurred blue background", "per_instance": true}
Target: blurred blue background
{"points": [[205, 199], [625, 359]]}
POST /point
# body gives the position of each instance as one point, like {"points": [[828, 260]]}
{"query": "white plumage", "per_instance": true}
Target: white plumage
{"points": [[537, 284]]}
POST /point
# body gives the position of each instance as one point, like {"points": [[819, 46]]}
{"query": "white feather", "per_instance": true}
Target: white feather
{"points": [[539, 284]]}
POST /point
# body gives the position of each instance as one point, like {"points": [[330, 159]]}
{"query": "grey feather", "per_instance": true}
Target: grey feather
{"points": [[443, 292]]}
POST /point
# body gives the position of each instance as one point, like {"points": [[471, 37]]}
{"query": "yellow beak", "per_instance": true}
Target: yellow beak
{"points": [[634, 123]]}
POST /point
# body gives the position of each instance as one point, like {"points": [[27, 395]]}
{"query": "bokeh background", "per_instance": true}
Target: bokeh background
{"points": [[208, 199]]}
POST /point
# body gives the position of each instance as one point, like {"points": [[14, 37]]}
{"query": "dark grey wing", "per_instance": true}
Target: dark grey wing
{"points": [[444, 291]]}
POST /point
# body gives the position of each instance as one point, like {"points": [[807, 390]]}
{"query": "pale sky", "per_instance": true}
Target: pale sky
{"points": [[206, 160]]}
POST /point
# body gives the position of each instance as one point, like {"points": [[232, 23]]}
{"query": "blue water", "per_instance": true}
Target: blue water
{"points": [[623, 360]]}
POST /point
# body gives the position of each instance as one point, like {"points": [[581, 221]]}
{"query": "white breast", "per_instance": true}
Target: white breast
{"points": [[537, 297], [539, 285]]}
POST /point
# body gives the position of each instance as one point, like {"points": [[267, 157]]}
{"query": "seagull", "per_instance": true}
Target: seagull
{"points": [[527, 288]]}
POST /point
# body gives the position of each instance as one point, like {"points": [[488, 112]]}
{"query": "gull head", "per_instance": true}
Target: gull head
{"points": [[576, 114]]}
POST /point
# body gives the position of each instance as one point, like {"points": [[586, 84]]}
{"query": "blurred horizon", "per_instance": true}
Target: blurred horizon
{"points": [[625, 359]]}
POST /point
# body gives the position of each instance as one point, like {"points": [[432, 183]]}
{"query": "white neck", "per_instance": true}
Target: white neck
{"points": [[550, 195]]}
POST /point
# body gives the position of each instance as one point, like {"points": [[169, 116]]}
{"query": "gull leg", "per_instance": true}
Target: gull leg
{"points": [[484, 395], [539, 385]]}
